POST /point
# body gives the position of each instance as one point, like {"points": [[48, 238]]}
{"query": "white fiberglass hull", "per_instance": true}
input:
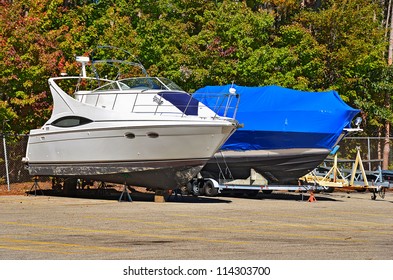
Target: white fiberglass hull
{"points": [[147, 153]]}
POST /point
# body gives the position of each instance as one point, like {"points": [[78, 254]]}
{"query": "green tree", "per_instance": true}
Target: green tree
{"points": [[309, 45], [229, 35], [27, 59]]}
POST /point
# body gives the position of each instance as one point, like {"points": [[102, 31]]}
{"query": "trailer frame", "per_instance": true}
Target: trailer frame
{"points": [[356, 179]]}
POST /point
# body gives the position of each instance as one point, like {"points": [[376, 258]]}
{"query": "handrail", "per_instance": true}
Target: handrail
{"points": [[144, 99], [137, 97]]}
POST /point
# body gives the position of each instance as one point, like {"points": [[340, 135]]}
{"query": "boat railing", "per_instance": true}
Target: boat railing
{"points": [[157, 98], [159, 103], [224, 105]]}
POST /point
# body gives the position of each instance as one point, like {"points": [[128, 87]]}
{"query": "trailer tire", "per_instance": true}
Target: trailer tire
{"points": [[195, 188], [184, 190], [209, 188]]}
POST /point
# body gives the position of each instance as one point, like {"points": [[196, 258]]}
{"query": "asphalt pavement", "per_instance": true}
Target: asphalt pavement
{"points": [[279, 226]]}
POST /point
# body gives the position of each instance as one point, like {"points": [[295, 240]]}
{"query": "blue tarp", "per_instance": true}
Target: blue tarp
{"points": [[280, 118]]}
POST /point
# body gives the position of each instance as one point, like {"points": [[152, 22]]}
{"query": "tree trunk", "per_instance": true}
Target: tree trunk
{"points": [[387, 19], [390, 54], [386, 143]]}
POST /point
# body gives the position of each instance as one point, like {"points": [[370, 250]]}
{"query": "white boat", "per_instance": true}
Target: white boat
{"points": [[142, 131]]}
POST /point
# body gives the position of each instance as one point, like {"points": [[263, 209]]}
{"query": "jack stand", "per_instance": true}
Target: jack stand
{"points": [[125, 191], [312, 197], [175, 193], [36, 187], [160, 196]]}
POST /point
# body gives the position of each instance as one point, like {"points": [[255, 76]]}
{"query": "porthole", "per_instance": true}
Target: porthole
{"points": [[129, 135], [152, 135]]}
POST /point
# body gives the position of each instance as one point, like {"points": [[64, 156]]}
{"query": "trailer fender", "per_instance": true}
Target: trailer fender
{"points": [[211, 187]]}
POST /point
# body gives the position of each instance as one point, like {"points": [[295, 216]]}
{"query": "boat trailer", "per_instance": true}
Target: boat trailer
{"points": [[316, 181]]}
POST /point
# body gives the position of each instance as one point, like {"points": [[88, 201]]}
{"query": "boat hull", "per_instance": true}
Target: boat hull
{"points": [[150, 174], [281, 166], [155, 156]]}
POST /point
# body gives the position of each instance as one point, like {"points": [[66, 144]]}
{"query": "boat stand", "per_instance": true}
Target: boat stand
{"points": [[125, 193], [35, 187], [376, 187], [161, 196]]}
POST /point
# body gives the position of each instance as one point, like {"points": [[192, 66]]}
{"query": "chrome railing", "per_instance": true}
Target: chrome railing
{"points": [[158, 102], [152, 101]]}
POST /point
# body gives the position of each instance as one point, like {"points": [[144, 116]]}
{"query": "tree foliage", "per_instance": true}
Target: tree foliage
{"points": [[307, 45]]}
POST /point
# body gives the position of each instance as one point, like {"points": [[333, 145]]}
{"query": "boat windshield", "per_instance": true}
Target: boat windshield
{"points": [[141, 83], [170, 84]]}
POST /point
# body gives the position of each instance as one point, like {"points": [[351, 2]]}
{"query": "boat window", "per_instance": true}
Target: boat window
{"points": [[141, 83], [149, 83], [70, 121], [123, 86], [110, 86], [170, 84]]}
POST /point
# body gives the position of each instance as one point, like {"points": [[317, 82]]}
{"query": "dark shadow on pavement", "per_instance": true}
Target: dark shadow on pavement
{"points": [[294, 196], [112, 194]]}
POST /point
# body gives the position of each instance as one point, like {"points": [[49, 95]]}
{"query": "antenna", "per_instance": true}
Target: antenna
{"points": [[83, 60]]}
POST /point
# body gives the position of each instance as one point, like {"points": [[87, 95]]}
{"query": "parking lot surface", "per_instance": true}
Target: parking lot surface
{"points": [[279, 226]]}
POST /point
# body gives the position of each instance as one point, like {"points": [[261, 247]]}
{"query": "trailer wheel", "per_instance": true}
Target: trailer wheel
{"points": [[209, 188], [184, 190], [195, 189]]}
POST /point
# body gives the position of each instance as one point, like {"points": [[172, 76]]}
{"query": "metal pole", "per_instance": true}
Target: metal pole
{"points": [[369, 154], [6, 162]]}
